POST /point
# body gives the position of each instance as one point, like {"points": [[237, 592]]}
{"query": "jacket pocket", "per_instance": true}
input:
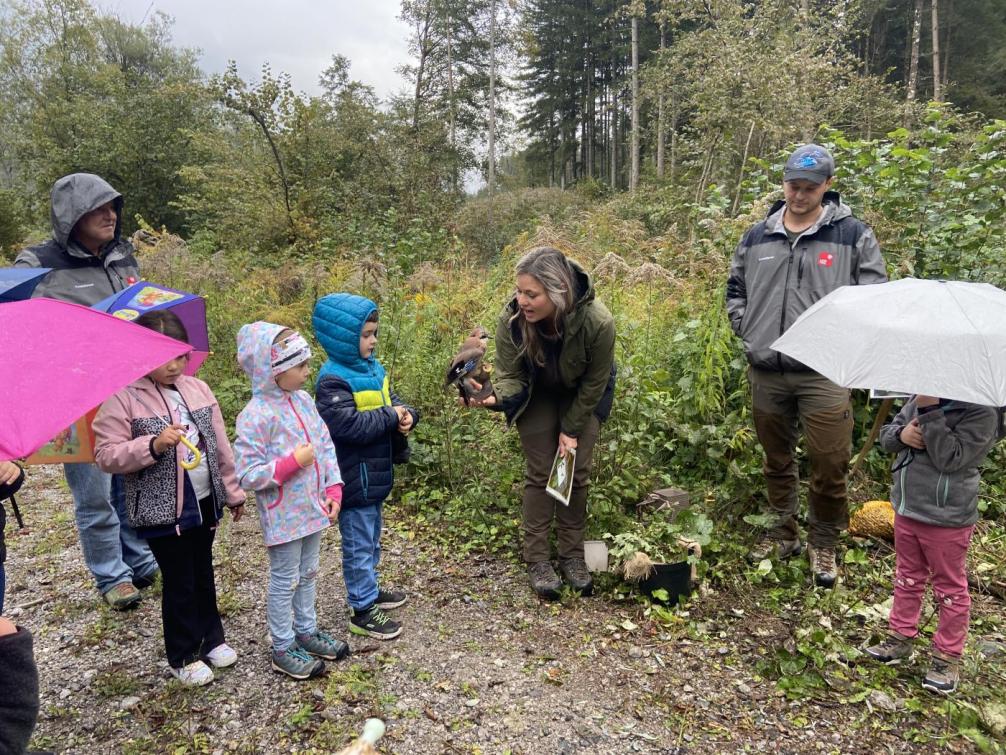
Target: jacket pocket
{"points": [[278, 501]]}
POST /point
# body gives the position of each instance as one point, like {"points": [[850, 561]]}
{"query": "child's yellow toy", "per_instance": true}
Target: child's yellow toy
{"points": [[874, 519], [197, 455]]}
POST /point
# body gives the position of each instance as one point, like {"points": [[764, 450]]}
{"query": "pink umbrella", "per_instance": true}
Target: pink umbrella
{"points": [[61, 360]]}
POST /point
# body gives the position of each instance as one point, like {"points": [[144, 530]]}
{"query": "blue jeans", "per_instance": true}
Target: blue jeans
{"points": [[112, 550], [293, 585], [361, 553]]}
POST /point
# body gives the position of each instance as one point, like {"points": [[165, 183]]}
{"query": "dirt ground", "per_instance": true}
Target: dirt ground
{"points": [[483, 666]]}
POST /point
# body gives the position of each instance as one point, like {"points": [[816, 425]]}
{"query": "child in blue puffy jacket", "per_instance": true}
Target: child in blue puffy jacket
{"points": [[362, 414]]}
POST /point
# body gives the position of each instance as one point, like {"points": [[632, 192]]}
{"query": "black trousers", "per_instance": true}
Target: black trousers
{"points": [[192, 624]]}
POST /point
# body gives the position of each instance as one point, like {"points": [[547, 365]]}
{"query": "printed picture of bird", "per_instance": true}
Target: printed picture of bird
{"points": [[468, 368]]}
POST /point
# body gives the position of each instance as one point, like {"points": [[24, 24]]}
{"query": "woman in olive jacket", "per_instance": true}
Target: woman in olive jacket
{"points": [[554, 379]]}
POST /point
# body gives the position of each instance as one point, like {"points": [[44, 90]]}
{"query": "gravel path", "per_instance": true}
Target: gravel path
{"points": [[482, 667]]}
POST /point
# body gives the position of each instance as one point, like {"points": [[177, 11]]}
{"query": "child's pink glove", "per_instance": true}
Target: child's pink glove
{"points": [[333, 495], [286, 468]]}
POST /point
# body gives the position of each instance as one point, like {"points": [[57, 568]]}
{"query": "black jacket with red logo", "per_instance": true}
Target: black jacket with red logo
{"points": [[773, 282]]}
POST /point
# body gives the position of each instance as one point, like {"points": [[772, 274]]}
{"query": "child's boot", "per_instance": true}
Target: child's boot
{"points": [[892, 650], [297, 664], [323, 645], [944, 673], [374, 622]]}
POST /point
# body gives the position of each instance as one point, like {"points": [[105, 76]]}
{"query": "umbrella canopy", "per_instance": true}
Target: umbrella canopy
{"points": [[142, 297], [938, 338], [60, 361], [17, 283]]}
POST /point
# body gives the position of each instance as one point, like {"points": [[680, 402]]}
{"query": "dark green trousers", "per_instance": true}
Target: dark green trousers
{"points": [[782, 403], [538, 428]]}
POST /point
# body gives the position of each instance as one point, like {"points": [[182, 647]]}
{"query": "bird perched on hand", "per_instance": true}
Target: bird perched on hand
{"points": [[468, 368]]}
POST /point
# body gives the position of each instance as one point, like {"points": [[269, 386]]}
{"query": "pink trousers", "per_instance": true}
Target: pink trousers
{"points": [[927, 553]]}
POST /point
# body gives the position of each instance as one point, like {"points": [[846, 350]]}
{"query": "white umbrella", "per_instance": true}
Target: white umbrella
{"points": [[938, 338]]}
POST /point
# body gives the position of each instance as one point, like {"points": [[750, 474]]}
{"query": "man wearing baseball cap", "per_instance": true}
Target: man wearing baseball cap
{"points": [[808, 245]]}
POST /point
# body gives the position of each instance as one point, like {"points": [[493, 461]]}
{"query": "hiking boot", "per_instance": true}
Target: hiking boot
{"points": [[773, 548], [195, 674], [574, 571], [322, 645], [822, 564], [374, 622], [122, 596], [296, 664], [388, 599], [943, 675], [892, 650], [148, 580], [544, 580], [222, 656]]}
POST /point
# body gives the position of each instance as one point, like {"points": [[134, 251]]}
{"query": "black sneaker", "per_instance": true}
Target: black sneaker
{"points": [[544, 580], [574, 571], [374, 622], [387, 599]]}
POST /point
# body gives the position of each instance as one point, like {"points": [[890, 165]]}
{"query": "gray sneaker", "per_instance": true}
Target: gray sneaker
{"points": [[944, 674], [773, 548], [822, 564], [544, 580], [297, 664], [323, 645], [892, 650], [574, 571]]}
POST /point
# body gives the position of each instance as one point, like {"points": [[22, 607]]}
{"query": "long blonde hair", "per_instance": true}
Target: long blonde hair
{"points": [[552, 270]]}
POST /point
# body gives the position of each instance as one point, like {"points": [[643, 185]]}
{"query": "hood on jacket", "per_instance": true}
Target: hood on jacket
{"points": [[834, 210], [255, 356], [74, 196], [338, 320]]}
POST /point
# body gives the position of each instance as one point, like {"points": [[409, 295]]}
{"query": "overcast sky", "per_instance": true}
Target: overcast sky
{"points": [[298, 37]]}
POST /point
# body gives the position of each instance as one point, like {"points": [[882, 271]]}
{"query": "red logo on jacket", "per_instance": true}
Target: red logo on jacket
{"points": [[824, 259]]}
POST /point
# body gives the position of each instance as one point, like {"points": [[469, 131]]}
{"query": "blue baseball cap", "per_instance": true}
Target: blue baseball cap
{"points": [[810, 162]]}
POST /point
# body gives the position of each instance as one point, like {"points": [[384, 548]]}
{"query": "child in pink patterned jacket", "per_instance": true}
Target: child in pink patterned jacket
{"points": [[165, 434], [285, 454]]}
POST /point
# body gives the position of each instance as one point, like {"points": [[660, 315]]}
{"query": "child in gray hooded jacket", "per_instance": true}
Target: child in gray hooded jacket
{"points": [[939, 444]]}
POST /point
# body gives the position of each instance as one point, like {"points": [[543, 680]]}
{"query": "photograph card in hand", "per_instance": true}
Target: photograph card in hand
{"points": [[560, 481]]}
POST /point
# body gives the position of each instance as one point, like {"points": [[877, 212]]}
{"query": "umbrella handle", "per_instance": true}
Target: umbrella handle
{"points": [[197, 455]]}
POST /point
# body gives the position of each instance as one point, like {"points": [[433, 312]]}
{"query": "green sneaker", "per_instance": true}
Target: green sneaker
{"points": [[296, 664], [122, 596], [323, 645], [374, 622]]}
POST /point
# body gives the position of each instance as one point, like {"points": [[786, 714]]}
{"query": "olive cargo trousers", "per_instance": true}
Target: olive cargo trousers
{"points": [[538, 427], [782, 402]]}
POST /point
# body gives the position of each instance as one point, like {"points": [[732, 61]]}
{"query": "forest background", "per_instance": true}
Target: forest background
{"points": [[640, 137]]}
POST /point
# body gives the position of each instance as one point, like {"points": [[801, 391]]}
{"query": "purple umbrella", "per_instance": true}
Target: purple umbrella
{"points": [[141, 297]]}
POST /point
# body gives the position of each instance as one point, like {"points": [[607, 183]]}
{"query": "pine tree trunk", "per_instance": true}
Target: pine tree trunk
{"points": [[634, 146], [613, 150], [937, 84], [660, 112], [913, 61], [492, 108]]}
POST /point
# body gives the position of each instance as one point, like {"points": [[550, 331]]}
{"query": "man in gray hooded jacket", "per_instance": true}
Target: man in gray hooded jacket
{"points": [[809, 245], [91, 261]]}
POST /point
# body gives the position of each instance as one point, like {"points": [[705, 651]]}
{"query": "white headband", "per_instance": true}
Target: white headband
{"points": [[289, 352]]}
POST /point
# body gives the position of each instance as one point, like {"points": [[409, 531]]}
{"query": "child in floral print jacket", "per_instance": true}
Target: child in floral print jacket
{"points": [[285, 454]]}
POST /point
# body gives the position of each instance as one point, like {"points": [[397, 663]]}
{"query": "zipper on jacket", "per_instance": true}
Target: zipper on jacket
{"points": [[364, 479], [317, 469], [785, 296], [799, 268]]}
